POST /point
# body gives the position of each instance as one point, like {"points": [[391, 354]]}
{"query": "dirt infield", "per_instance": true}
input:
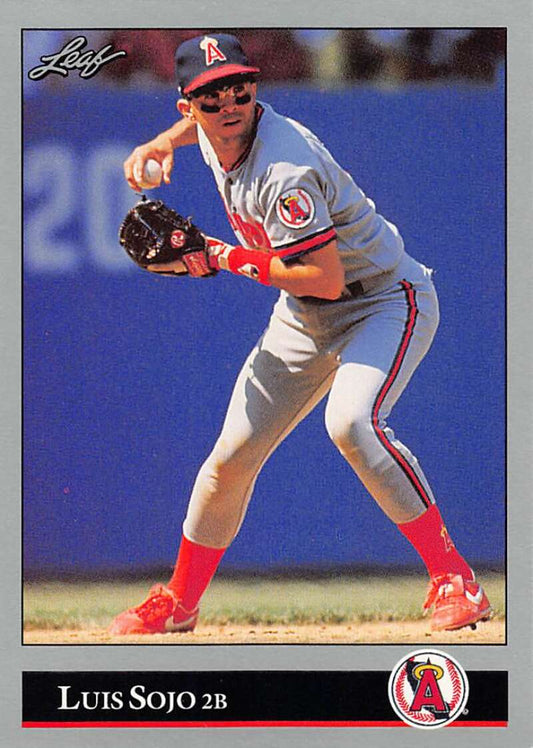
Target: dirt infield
{"points": [[416, 632]]}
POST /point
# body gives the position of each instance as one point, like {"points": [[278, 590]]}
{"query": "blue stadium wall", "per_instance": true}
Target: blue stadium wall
{"points": [[126, 376]]}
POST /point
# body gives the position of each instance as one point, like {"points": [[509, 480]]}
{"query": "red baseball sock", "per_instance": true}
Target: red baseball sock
{"points": [[195, 567], [430, 538]]}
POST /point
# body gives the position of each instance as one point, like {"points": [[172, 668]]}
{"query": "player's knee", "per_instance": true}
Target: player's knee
{"points": [[225, 470], [349, 431]]}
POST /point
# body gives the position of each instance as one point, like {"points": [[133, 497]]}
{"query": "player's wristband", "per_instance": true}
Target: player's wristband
{"points": [[254, 263]]}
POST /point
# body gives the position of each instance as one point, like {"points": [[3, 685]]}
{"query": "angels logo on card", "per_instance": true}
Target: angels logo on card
{"points": [[428, 689], [295, 208]]}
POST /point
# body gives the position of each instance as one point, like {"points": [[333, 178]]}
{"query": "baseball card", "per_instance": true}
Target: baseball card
{"points": [[266, 361]]}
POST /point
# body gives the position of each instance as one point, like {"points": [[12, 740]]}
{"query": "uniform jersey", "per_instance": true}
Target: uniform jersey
{"points": [[288, 194]]}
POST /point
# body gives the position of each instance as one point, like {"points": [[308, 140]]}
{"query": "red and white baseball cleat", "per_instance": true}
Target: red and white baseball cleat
{"points": [[160, 613], [458, 602]]}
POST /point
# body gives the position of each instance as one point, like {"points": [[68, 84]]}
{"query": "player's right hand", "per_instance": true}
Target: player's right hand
{"points": [[160, 149]]}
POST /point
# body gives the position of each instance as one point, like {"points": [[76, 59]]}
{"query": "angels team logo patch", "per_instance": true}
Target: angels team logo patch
{"points": [[428, 689], [295, 208]]}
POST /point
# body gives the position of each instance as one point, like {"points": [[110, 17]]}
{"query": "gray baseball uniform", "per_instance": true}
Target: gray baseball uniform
{"points": [[288, 194]]}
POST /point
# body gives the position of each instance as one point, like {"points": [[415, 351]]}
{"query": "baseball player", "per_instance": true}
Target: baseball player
{"points": [[354, 318]]}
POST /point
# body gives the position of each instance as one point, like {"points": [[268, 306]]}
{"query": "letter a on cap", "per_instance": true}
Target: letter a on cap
{"points": [[212, 52]]}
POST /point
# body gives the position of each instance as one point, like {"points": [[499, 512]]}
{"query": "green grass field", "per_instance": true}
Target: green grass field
{"points": [[340, 599]]}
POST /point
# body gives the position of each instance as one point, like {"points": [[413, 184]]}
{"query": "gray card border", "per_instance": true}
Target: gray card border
{"points": [[516, 655]]}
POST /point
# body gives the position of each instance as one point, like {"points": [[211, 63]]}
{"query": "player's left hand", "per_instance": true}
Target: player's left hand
{"points": [[157, 238], [216, 251]]}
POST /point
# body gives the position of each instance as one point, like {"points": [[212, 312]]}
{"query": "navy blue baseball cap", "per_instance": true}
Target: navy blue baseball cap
{"points": [[204, 59]]}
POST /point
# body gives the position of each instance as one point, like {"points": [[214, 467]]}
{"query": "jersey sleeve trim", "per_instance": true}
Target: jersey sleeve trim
{"points": [[309, 244]]}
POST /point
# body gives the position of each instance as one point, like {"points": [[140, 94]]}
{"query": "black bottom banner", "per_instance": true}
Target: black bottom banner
{"points": [[258, 698]]}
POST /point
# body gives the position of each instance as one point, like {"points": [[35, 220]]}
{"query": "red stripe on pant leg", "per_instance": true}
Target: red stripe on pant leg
{"points": [[396, 366]]}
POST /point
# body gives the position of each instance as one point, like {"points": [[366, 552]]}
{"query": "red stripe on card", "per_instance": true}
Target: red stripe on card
{"points": [[256, 723], [479, 724], [309, 243], [396, 366]]}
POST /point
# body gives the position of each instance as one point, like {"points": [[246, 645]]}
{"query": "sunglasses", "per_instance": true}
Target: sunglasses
{"points": [[208, 98]]}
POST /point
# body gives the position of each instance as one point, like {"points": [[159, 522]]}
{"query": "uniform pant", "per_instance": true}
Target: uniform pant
{"points": [[363, 352]]}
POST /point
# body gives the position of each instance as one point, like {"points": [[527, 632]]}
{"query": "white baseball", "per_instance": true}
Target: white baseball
{"points": [[152, 174]]}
